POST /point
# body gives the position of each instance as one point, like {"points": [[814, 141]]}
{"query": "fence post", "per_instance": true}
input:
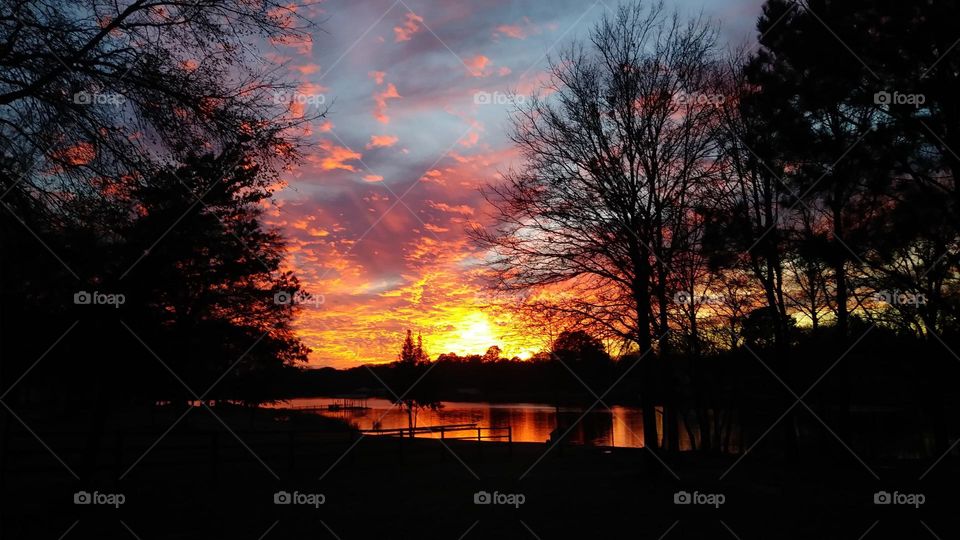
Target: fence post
{"points": [[400, 445]]}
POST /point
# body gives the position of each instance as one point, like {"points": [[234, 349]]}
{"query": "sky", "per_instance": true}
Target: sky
{"points": [[417, 120]]}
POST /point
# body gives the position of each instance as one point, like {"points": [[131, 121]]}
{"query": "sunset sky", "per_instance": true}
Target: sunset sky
{"points": [[376, 215]]}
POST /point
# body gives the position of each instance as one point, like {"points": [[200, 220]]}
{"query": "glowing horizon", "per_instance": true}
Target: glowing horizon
{"points": [[376, 214]]}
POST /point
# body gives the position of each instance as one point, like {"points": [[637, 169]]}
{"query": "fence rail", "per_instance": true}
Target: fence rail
{"points": [[482, 433]]}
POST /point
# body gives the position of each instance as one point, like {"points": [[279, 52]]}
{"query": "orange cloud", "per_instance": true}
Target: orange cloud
{"points": [[435, 229], [462, 209], [382, 141], [377, 76], [433, 175], [477, 64], [307, 69], [78, 154], [336, 157], [380, 98], [373, 178], [410, 27]]}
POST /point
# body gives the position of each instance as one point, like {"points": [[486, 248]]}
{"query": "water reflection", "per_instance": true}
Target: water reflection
{"points": [[531, 422]]}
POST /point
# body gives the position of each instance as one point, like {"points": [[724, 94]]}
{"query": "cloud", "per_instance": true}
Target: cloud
{"points": [[516, 31], [307, 69], [510, 30], [470, 140], [433, 175], [462, 209], [477, 64], [382, 141], [435, 229], [372, 178], [380, 98], [335, 157], [377, 76], [410, 27]]}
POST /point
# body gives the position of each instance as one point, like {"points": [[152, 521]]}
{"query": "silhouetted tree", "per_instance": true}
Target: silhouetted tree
{"points": [[103, 94], [609, 159], [411, 389]]}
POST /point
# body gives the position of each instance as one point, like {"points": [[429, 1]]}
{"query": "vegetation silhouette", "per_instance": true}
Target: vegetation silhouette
{"points": [[764, 242]]}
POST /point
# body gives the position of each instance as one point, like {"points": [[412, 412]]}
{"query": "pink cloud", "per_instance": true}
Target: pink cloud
{"points": [[410, 27], [516, 31], [380, 111], [382, 141], [307, 69], [511, 30], [377, 76], [470, 140], [462, 209], [477, 64], [435, 229], [433, 175], [373, 178]]}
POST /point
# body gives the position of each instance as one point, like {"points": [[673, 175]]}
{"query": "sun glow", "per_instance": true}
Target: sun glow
{"points": [[473, 333]]}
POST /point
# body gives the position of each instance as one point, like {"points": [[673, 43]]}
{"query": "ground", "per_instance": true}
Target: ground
{"points": [[193, 484]]}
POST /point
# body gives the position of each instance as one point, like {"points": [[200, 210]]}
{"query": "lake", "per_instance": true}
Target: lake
{"points": [[531, 422]]}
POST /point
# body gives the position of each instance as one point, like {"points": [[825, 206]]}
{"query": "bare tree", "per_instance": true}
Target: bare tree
{"points": [[613, 149], [95, 96]]}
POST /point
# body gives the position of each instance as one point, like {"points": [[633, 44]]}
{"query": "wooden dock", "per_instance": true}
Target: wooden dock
{"points": [[461, 432]]}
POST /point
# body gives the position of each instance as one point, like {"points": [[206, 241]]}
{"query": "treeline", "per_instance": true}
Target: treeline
{"points": [[693, 204], [140, 148]]}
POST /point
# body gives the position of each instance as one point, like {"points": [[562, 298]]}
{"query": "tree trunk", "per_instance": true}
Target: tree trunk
{"points": [[641, 296]]}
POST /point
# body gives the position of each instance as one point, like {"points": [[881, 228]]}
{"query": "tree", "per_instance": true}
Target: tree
{"points": [[410, 372], [102, 95], [492, 354], [214, 280], [577, 346], [610, 157]]}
